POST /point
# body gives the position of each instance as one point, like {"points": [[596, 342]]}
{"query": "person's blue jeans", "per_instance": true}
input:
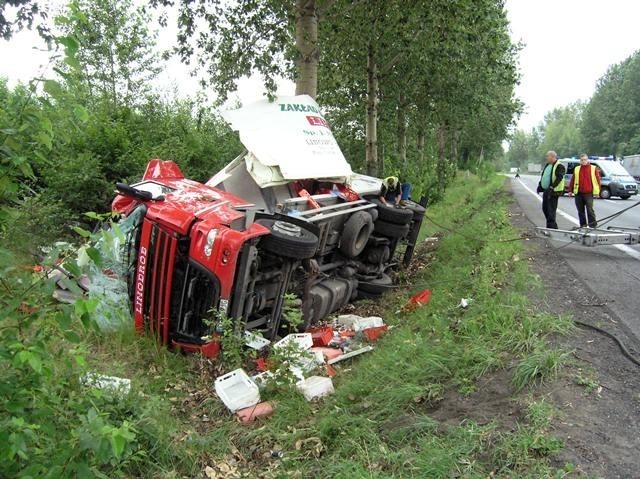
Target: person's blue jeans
{"points": [[406, 191]]}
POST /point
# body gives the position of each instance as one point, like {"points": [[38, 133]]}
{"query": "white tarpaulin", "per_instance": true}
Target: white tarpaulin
{"points": [[290, 134]]}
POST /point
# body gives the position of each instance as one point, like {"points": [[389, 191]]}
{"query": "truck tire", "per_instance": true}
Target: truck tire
{"points": [[376, 286], [287, 239], [391, 230], [418, 210], [391, 214], [355, 234], [373, 212], [605, 193]]}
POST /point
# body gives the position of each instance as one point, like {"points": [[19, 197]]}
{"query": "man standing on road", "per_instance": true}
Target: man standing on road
{"points": [[584, 185], [551, 186]]}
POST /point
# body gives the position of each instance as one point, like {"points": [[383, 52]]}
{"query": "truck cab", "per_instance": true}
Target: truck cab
{"points": [[276, 223]]}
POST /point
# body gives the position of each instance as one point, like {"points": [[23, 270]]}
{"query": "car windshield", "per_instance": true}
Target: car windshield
{"points": [[615, 170]]}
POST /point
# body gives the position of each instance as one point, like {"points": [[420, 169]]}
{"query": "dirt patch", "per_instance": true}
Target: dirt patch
{"points": [[599, 422]]}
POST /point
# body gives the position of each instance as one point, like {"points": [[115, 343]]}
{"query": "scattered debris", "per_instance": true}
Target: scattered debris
{"points": [[315, 387], [303, 340], [373, 334], [464, 303], [250, 414], [321, 336], [417, 300], [236, 390], [351, 354], [119, 387], [254, 341], [358, 323]]}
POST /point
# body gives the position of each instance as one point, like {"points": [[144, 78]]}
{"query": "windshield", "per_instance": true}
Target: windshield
{"points": [[615, 170]]}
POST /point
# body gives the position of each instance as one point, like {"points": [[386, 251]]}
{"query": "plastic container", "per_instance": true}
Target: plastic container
{"points": [[358, 323], [321, 336], [236, 390], [303, 340], [315, 387], [254, 341]]}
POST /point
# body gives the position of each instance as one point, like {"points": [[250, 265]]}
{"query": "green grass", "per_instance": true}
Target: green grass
{"points": [[379, 422]]}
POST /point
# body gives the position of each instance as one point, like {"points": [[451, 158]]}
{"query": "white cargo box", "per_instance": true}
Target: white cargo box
{"points": [[315, 387], [236, 390], [358, 323], [303, 340]]}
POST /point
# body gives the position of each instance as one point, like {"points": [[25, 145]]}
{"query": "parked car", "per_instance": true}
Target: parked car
{"points": [[615, 180], [287, 219]]}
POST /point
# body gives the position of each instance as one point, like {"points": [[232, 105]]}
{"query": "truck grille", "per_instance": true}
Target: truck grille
{"points": [[160, 264]]}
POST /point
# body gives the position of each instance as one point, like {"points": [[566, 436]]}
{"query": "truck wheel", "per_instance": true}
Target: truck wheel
{"points": [[418, 209], [605, 193], [287, 239], [391, 230], [376, 286], [355, 234], [390, 214]]}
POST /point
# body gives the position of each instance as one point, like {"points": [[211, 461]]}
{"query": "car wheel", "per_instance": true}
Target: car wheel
{"points": [[391, 214], [288, 239], [391, 230], [355, 234], [376, 286], [625, 197], [605, 194]]}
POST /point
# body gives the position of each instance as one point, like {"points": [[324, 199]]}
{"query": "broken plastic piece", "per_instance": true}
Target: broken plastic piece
{"points": [[111, 384], [328, 353], [236, 390], [321, 336], [315, 387], [250, 414], [464, 303], [373, 334], [254, 341], [358, 323], [351, 354]]}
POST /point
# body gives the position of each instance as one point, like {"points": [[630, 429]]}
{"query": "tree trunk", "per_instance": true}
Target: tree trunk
{"points": [[420, 146], [441, 135], [402, 130], [372, 113], [307, 47]]}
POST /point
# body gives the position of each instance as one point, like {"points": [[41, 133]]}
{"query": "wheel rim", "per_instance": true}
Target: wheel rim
{"points": [[288, 229]]}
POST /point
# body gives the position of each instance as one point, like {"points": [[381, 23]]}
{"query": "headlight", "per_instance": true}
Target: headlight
{"points": [[211, 239]]}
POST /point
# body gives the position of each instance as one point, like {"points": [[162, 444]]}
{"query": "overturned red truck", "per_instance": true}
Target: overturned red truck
{"points": [[288, 216]]}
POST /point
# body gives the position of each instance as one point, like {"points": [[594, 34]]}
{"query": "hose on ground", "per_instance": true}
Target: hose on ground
{"points": [[622, 347]]}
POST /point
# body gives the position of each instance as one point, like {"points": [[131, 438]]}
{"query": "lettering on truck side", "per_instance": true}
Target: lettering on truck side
{"points": [[142, 266]]}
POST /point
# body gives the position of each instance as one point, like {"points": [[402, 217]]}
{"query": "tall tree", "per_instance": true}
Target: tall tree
{"points": [[115, 58]]}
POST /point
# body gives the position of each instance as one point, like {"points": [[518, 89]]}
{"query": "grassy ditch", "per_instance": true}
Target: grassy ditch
{"points": [[391, 414]]}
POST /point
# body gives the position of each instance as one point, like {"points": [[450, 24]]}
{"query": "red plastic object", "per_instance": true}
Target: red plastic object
{"points": [[208, 350], [305, 194], [321, 336], [262, 364], [421, 298], [251, 413], [331, 371], [373, 334], [346, 333]]}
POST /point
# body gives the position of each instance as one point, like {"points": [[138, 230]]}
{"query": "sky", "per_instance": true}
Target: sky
{"points": [[567, 46]]}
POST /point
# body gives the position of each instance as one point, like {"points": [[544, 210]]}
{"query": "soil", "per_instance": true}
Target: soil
{"points": [[599, 422]]}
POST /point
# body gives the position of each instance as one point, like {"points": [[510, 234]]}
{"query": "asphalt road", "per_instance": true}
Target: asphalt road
{"points": [[612, 272]]}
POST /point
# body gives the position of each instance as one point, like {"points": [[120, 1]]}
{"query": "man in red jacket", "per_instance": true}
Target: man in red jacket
{"points": [[584, 185]]}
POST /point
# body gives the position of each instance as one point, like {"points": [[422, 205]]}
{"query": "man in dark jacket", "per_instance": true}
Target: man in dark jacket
{"points": [[551, 186]]}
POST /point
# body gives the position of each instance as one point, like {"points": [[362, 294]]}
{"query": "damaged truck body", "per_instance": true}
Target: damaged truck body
{"points": [[287, 217]]}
